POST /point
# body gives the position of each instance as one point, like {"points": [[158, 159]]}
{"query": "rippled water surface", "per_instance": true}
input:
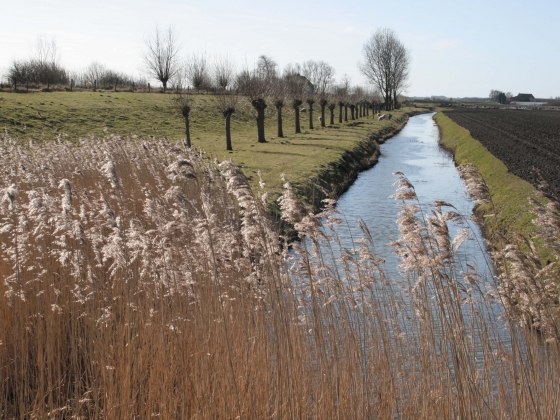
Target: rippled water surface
{"points": [[416, 152]]}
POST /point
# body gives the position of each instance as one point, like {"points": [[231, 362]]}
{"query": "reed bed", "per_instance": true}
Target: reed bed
{"points": [[143, 280]]}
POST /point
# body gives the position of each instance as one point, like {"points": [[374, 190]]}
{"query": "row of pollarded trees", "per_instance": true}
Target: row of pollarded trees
{"points": [[386, 66], [310, 87]]}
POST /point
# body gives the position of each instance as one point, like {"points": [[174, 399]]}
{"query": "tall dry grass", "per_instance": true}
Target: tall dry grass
{"points": [[141, 280]]}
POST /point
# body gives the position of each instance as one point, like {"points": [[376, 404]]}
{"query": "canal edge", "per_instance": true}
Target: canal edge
{"points": [[510, 214], [339, 175]]}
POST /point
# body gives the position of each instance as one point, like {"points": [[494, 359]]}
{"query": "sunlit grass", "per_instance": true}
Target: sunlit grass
{"points": [[510, 212], [80, 114]]}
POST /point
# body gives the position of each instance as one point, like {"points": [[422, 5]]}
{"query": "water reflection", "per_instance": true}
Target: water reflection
{"points": [[416, 152]]}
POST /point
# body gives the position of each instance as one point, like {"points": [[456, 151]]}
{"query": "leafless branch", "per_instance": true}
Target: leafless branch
{"points": [[161, 59]]}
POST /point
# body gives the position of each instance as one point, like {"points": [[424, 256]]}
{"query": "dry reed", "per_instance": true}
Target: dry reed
{"points": [[141, 280]]}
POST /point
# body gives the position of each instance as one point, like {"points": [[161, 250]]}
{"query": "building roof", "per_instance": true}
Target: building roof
{"points": [[523, 95]]}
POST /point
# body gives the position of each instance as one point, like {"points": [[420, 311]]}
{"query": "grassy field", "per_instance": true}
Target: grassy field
{"points": [[44, 116]]}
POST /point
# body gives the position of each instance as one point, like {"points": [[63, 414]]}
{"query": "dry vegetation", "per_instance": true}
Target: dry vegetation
{"points": [[140, 280]]}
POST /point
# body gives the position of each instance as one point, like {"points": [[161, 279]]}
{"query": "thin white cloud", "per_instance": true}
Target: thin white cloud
{"points": [[444, 44]]}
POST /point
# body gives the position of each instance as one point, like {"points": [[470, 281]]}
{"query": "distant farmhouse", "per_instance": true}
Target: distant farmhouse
{"points": [[523, 97]]}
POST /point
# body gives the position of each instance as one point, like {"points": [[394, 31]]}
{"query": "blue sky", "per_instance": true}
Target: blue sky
{"points": [[458, 48]]}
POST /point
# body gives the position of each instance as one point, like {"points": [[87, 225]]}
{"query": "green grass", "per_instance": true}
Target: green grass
{"points": [[302, 157], [510, 194]]}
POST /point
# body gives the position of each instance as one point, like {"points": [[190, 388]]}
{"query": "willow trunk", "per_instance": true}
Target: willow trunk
{"points": [[228, 133], [280, 131], [188, 131], [260, 125]]}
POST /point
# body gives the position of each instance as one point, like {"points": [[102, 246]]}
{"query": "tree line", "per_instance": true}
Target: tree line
{"points": [[385, 64], [499, 96], [44, 70], [307, 87]]}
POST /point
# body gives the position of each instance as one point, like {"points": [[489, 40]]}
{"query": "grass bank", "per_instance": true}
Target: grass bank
{"points": [[337, 176], [510, 213], [331, 156]]}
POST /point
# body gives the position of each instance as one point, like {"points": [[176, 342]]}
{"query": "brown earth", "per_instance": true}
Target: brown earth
{"points": [[526, 141]]}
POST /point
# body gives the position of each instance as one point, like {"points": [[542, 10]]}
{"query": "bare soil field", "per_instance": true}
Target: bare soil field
{"points": [[525, 141]]}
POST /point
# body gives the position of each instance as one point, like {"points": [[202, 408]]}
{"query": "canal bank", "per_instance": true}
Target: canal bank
{"points": [[509, 214], [415, 151], [336, 177]]}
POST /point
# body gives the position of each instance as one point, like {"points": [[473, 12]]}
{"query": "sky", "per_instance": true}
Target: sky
{"points": [[459, 48]]}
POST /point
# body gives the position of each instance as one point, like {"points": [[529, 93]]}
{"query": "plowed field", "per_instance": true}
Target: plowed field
{"points": [[524, 140]]}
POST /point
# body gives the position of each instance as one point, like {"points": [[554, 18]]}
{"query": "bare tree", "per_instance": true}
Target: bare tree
{"points": [[321, 76], [183, 102], [358, 97], [226, 102], [197, 69], [267, 68], [112, 79], [278, 94], [257, 85], [352, 107], [44, 66], [386, 63], [341, 104], [401, 70], [310, 100], [180, 80], [242, 80], [296, 87], [161, 59], [224, 73], [376, 98], [46, 49], [332, 107], [494, 95], [93, 74], [343, 93], [18, 72], [256, 89]]}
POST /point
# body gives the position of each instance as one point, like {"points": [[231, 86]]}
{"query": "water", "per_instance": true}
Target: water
{"points": [[415, 151]]}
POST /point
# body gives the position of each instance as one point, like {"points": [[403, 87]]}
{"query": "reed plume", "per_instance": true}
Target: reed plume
{"points": [[140, 279]]}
